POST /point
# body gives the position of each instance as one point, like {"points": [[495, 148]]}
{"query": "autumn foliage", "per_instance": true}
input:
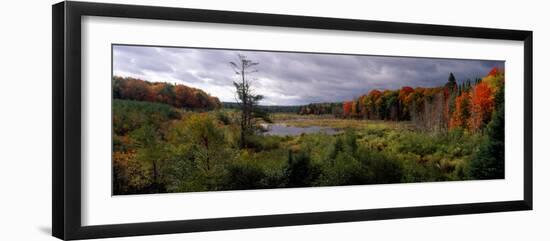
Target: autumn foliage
{"points": [[176, 95], [482, 105], [468, 105], [347, 108], [494, 72], [462, 112]]}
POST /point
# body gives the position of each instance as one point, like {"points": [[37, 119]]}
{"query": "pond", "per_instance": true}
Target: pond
{"points": [[281, 129]]}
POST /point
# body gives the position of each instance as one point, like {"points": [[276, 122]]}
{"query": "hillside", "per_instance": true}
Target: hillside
{"points": [[176, 95]]}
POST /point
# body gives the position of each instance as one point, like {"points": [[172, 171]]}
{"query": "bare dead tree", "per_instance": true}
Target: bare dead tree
{"points": [[245, 96]]}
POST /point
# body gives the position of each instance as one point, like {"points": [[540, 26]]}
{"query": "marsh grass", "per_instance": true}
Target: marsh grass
{"points": [[338, 123]]}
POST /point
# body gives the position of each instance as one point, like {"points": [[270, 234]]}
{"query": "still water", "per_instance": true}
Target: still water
{"points": [[281, 129]]}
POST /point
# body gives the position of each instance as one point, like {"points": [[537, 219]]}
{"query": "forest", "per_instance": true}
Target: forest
{"points": [[468, 106], [174, 138]]}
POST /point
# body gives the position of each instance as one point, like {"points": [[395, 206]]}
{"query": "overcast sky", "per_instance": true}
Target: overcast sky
{"points": [[291, 78]]}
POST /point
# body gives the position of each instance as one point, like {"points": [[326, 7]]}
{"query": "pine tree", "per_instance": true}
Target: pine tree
{"points": [[451, 83], [488, 163]]}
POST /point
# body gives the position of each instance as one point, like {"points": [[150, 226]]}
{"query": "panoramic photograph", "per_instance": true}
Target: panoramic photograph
{"points": [[188, 119]]}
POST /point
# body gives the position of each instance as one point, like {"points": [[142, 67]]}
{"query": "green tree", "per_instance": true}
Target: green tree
{"points": [[206, 139], [488, 163], [381, 169], [199, 153], [150, 153], [300, 172], [242, 176], [345, 170]]}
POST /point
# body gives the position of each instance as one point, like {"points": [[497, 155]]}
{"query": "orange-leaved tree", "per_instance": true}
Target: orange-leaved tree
{"points": [[462, 112], [482, 106], [347, 106]]}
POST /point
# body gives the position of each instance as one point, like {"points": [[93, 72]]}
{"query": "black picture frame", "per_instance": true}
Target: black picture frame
{"points": [[66, 127]]}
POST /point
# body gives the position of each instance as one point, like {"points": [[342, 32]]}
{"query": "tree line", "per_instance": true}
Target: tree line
{"points": [[267, 108], [468, 105], [321, 109], [176, 95]]}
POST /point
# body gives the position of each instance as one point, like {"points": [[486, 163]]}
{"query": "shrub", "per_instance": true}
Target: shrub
{"points": [[300, 172], [344, 170], [129, 115], [223, 117], [381, 168], [350, 139], [417, 143], [244, 176], [263, 143]]}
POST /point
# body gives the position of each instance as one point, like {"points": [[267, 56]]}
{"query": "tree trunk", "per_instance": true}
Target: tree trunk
{"points": [[155, 173], [244, 107]]}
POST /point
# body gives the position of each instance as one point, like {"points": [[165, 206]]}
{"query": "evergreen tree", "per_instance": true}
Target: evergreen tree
{"points": [[300, 172], [451, 83], [488, 163], [452, 78]]}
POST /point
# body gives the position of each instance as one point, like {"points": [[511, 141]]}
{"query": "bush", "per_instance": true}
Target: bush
{"points": [[223, 117], [344, 170], [197, 154], [381, 168], [350, 139], [341, 166], [244, 176], [300, 172], [263, 143], [129, 115], [417, 143]]}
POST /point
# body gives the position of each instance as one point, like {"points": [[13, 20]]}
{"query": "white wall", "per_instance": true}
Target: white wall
{"points": [[25, 123]]}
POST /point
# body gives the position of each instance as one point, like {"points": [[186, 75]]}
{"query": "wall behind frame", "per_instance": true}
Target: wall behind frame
{"points": [[25, 126]]}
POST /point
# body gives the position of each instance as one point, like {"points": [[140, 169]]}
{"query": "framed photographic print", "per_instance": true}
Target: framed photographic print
{"points": [[169, 120]]}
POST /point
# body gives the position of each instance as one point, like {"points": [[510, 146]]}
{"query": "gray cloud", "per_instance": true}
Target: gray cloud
{"points": [[292, 78]]}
